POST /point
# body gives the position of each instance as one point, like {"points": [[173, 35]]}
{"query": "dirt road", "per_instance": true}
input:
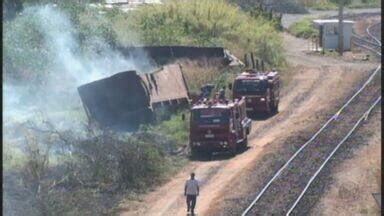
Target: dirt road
{"points": [[289, 19], [315, 82]]}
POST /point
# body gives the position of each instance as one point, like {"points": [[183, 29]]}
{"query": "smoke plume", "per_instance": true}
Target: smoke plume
{"points": [[66, 66]]}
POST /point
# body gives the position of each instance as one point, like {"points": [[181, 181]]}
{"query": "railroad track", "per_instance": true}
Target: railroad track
{"points": [[369, 42], [283, 192]]}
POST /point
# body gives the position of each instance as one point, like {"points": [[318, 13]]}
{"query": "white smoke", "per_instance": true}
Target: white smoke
{"points": [[58, 100]]}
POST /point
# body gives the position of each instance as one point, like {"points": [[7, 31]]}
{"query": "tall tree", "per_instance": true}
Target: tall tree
{"points": [[341, 4]]}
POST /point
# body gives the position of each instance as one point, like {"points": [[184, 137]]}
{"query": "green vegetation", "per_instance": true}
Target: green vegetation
{"points": [[201, 23], [81, 172], [303, 28], [13, 158], [87, 169], [280, 6], [196, 23], [175, 128], [365, 4], [323, 5], [319, 4], [26, 38]]}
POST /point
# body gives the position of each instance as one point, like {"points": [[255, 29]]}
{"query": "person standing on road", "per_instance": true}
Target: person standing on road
{"points": [[191, 191]]}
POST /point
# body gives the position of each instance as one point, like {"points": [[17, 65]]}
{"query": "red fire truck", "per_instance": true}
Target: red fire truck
{"points": [[260, 89], [218, 125]]}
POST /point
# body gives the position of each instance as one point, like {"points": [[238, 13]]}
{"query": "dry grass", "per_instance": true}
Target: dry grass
{"points": [[356, 179], [198, 73]]}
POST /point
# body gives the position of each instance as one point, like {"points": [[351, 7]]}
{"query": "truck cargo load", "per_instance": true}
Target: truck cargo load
{"points": [[120, 101], [126, 100], [166, 54]]}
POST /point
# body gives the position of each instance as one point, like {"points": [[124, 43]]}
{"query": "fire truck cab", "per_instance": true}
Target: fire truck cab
{"points": [[218, 125], [260, 89]]}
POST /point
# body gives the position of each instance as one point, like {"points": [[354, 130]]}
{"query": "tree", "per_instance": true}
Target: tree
{"points": [[341, 4]]}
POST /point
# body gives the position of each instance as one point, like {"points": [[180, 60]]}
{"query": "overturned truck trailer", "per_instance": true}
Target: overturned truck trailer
{"points": [[126, 100], [165, 54]]}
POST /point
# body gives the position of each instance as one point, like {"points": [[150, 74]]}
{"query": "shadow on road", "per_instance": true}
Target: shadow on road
{"points": [[260, 116], [218, 156]]}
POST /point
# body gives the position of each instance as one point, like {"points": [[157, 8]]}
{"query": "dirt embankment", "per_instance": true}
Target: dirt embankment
{"points": [[314, 83]]}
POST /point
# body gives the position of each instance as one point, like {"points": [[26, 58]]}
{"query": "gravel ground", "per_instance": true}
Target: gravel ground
{"points": [[356, 173], [243, 189], [324, 180], [278, 198], [274, 157]]}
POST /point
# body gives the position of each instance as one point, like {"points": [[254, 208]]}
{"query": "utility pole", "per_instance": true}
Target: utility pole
{"points": [[340, 31]]}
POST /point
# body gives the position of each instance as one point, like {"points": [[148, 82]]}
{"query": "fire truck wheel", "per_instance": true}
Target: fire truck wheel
{"points": [[276, 108], [269, 109], [244, 144], [233, 151]]}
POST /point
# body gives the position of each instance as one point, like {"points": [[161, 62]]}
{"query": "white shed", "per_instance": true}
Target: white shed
{"points": [[328, 33]]}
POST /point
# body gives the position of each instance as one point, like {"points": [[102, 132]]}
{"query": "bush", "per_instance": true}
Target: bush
{"points": [[280, 6], [303, 28], [90, 168], [203, 23], [318, 4], [198, 73], [175, 128], [88, 165], [365, 4], [31, 44]]}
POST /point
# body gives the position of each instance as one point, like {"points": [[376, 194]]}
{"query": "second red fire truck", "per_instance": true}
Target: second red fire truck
{"points": [[260, 89]]}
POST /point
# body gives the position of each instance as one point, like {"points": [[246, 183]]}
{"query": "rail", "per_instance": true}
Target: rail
{"points": [[371, 35], [334, 117], [363, 117], [376, 44], [361, 39]]}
